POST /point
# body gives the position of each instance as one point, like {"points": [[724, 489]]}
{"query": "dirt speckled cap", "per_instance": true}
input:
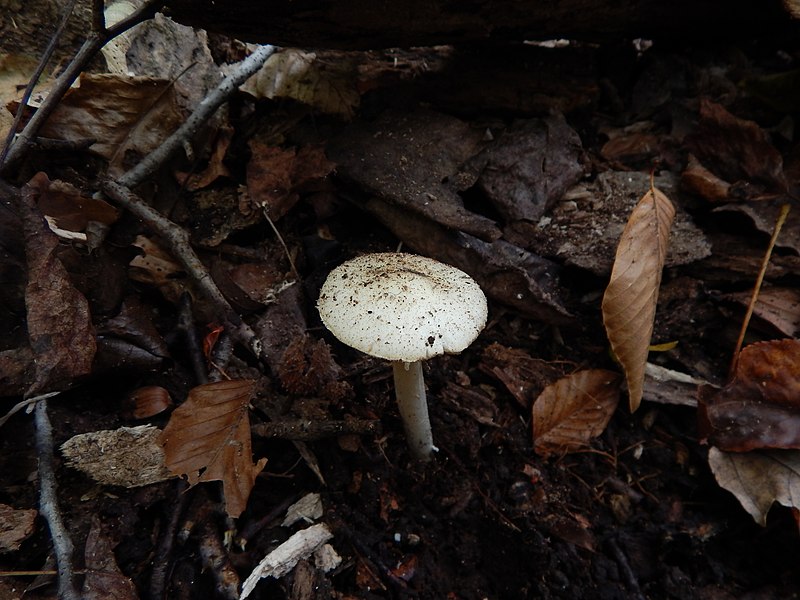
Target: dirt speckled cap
{"points": [[402, 307]]}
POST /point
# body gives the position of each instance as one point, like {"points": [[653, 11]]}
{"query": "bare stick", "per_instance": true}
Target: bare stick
{"points": [[96, 40], [48, 53], [25, 404], [178, 241], [757, 288], [162, 561], [156, 159], [186, 325], [277, 233], [48, 504]]}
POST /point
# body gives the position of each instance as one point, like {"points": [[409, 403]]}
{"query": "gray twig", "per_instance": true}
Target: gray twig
{"points": [[48, 53], [48, 504], [207, 107], [180, 246], [94, 42], [173, 235]]}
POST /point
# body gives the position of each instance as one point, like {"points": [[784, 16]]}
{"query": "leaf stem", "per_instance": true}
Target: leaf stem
{"points": [[757, 288]]}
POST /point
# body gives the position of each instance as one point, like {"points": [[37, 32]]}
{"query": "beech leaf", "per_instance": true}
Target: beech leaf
{"points": [[629, 302], [275, 174], [291, 73], [573, 410], [758, 478], [122, 114], [760, 406], [208, 439]]}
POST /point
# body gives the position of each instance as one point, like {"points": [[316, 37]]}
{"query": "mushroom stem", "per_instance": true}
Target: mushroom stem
{"points": [[409, 388]]}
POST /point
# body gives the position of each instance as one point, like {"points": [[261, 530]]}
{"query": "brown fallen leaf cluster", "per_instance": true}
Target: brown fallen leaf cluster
{"points": [[618, 249]]}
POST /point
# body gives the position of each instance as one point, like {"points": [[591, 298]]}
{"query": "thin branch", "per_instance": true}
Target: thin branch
{"points": [[207, 107], [186, 326], [757, 288], [24, 404], [162, 560], [277, 233], [48, 504], [48, 53], [94, 42], [178, 241]]}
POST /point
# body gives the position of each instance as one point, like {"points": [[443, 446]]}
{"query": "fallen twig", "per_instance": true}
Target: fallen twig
{"points": [[784, 212], [178, 241], [48, 504], [161, 560], [48, 53], [186, 326], [24, 404], [99, 37], [627, 573], [173, 235], [216, 98]]}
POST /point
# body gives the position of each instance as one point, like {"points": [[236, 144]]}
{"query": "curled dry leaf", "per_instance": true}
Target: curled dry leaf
{"points": [[629, 302], [760, 406], [145, 402], [66, 209], [208, 439], [573, 410], [759, 478]]}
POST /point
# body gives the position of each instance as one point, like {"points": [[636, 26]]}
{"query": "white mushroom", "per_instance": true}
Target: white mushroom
{"points": [[406, 309]]}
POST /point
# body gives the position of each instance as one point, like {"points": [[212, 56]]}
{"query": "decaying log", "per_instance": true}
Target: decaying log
{"points": [[363, 24]]}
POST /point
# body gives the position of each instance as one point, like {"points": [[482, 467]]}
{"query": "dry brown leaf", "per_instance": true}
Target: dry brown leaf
{"points": [[759, 478], [146, 402], [573, 410], [702, 182], [736, 149], [291, 73], [208, 439], [778, 307], [629, 302], [15, 526], [67, 210], [760, 406], [59, 323], [157, 267], [122, 115], [275, 174], [216, 167]]}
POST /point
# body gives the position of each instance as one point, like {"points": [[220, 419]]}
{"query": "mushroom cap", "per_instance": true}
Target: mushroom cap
{"points": [[402, 307]]}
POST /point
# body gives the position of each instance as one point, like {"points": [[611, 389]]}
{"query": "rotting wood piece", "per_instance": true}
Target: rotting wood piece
{"points": [[363, 24]]}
